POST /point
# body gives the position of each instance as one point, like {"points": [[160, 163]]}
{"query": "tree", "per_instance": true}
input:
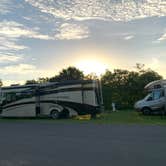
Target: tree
{"points": [[29, 82], [91, 76], [1, 83], [71, 73], [42, 80], [140, 67], [126, 87]]}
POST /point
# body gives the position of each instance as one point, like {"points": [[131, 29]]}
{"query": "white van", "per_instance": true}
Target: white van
{"points": [[155, 100]]}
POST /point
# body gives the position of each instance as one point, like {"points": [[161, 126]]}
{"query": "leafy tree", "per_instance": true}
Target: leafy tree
{"points": [[91, 76], [71, 73], [1, 83], [140, 67], [43, 80], [125, 87], [29, 82]]}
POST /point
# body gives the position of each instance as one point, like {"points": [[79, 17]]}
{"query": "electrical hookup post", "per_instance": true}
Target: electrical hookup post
{"points": [[113, 107], [37, 101]]}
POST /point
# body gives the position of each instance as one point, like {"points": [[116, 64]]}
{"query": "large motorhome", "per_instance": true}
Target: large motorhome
{"points": [[155, 101], [64, 99]]}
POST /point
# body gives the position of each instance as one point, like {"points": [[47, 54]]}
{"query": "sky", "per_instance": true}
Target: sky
{"points": [[40, 37]]}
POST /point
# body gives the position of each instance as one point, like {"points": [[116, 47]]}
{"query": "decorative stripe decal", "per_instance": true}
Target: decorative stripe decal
{"points": [[79, 108]]}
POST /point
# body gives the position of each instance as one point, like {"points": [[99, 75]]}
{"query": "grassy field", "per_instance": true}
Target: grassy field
{"points": [[130, 117], [119, 117]]}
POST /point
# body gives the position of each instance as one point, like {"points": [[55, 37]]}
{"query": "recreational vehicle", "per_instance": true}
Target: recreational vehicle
{"points": [[155, 101], [64, 99]]}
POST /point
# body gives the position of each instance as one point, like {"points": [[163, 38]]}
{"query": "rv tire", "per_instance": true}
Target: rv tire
{"points": [[93, 116], [55, 114]]}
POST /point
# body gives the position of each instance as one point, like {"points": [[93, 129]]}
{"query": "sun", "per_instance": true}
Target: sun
{"points": [[91, 66]]}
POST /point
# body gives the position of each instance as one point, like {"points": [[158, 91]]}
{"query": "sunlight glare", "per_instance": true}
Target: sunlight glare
{"points": [[91, 66]]}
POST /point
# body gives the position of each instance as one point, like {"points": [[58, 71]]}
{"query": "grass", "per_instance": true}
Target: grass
{"points": [[119, 117], [130, 117]]}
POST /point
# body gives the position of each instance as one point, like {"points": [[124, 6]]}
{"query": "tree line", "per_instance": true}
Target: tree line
{"points": [[126, 87], [120, 86]]}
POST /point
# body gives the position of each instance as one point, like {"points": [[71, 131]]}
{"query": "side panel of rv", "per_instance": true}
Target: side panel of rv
{"points": [[77, 99], [68, 98], [16, 103]]}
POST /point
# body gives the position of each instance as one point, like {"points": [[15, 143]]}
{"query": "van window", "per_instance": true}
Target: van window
{"points": [[149, 97], [158, 94]]}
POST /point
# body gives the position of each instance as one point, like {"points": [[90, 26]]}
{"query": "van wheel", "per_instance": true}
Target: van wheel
{"points": [[55, 114], [146, 111]]}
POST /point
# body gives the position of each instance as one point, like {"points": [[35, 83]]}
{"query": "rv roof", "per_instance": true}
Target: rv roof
{"points": [[155, 84], [49, 84]]}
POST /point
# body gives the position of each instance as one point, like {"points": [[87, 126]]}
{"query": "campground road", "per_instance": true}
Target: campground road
{"points": [[47, 143]]}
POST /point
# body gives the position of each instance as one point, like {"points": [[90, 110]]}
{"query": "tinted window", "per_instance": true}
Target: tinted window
{"points": [[158, 94], [9, 97]]}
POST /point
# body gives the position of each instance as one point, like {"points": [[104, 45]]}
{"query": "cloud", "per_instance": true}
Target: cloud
{"points": [[10, 44], [11, 33], [11, 82], [18, 69], [155, 63], [72, 31], [16, 30], [162, 38], [5, 6], [9, 58], [128, 37], [23, 69], [118, 10]]}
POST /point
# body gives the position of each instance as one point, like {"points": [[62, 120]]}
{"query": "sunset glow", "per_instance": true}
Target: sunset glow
{"points": [[92, 66], [39, 38]]}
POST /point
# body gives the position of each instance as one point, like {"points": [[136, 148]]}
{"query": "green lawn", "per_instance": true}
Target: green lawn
{"points": [[119, 117], [130, 117]]}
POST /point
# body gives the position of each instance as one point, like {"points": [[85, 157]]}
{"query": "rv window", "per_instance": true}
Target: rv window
{"points": [[9, 97], [150, 98], [157, 95]]}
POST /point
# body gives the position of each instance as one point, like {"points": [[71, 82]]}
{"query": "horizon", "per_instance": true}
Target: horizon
{"points": [[41, 37]]}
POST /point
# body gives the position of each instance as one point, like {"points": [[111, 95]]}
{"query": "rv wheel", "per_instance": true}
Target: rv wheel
{"points": [[93, 116], [146, 111], [55, 114]]}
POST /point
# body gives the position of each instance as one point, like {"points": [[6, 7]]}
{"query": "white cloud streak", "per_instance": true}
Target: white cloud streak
{"points": [[9, 58], [162, 38], [11, 82], [16, 30], [11, 33], [128, 37], [5, 6], [72, 31], [18, 69], [118, 10]]}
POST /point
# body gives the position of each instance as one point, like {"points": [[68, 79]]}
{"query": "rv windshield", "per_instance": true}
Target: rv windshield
{"points": [[155, 95], [12, 96], [149, 97]]}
